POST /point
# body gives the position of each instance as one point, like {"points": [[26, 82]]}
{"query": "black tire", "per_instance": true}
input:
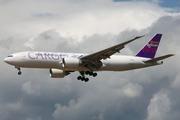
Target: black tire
{"points": [[19, 73], [87, 79], [83, 78], [79, 77], [94, 74], [87, 72], [90, 73]]}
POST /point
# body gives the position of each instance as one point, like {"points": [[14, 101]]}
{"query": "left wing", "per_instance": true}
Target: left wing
{"points": [[106, 53]]}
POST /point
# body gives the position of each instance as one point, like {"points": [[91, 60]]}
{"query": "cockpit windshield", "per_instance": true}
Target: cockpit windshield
{"points": [[10, 55]]}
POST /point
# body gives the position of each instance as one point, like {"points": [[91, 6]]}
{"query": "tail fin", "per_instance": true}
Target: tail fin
{"points": [[149, 50]]}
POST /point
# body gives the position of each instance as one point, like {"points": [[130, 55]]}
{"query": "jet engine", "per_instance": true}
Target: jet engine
{"points": [[71, 62], [57, 73]]}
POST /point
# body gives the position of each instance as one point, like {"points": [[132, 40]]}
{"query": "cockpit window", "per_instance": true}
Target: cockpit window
{"points": [[10, 55]]}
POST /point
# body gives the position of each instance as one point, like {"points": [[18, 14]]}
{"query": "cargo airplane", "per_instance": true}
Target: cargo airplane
{"points": [[62, 64]]}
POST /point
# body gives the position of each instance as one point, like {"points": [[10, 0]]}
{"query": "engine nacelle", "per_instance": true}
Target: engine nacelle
{"points": [[57, 73], [71, 62]]}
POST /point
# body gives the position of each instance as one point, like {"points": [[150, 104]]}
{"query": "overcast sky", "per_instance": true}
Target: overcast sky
{"points": [[89, 26]]}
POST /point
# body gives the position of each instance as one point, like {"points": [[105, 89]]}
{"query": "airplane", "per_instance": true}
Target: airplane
{"points": [[62, 64]]}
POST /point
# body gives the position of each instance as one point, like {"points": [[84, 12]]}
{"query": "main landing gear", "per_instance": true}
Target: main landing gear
{"points": [[83, 78], [19, 70]]}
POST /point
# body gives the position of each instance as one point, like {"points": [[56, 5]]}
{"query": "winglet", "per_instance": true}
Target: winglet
{"points": [[149, 50]]}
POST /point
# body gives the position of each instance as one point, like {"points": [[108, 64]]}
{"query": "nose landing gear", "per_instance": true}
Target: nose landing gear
{"points": [[19, 73], [19, 70]]}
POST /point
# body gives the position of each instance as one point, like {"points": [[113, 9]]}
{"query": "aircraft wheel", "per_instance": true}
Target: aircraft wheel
{"points": [[87, 79], [94, 74], [91, 73], [83, 78], [79, 77], [87, 72], [19, 73]]}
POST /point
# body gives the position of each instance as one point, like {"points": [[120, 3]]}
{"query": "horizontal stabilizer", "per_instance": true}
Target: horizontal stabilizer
{"points": [[158, 58]]}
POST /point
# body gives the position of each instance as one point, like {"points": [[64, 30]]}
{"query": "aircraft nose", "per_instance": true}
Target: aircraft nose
{"points": [[7, 60]]}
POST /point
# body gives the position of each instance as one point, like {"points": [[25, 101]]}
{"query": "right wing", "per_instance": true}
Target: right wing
{"points": [[106, 53]]}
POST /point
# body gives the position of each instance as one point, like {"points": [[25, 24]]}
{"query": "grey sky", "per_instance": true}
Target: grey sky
{"points": [[88, 26]]}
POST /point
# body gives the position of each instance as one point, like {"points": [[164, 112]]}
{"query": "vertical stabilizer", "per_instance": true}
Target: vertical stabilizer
{"points": [[149, 50]]}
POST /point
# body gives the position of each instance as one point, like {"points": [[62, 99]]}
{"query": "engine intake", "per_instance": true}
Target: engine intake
{"points": [[57, 73]]}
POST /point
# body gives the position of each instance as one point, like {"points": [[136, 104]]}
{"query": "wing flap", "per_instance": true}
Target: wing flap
{"points": [[159, 58]]}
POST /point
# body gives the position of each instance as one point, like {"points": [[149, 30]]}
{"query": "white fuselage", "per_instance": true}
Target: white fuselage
{"points": [[32, 59]]}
